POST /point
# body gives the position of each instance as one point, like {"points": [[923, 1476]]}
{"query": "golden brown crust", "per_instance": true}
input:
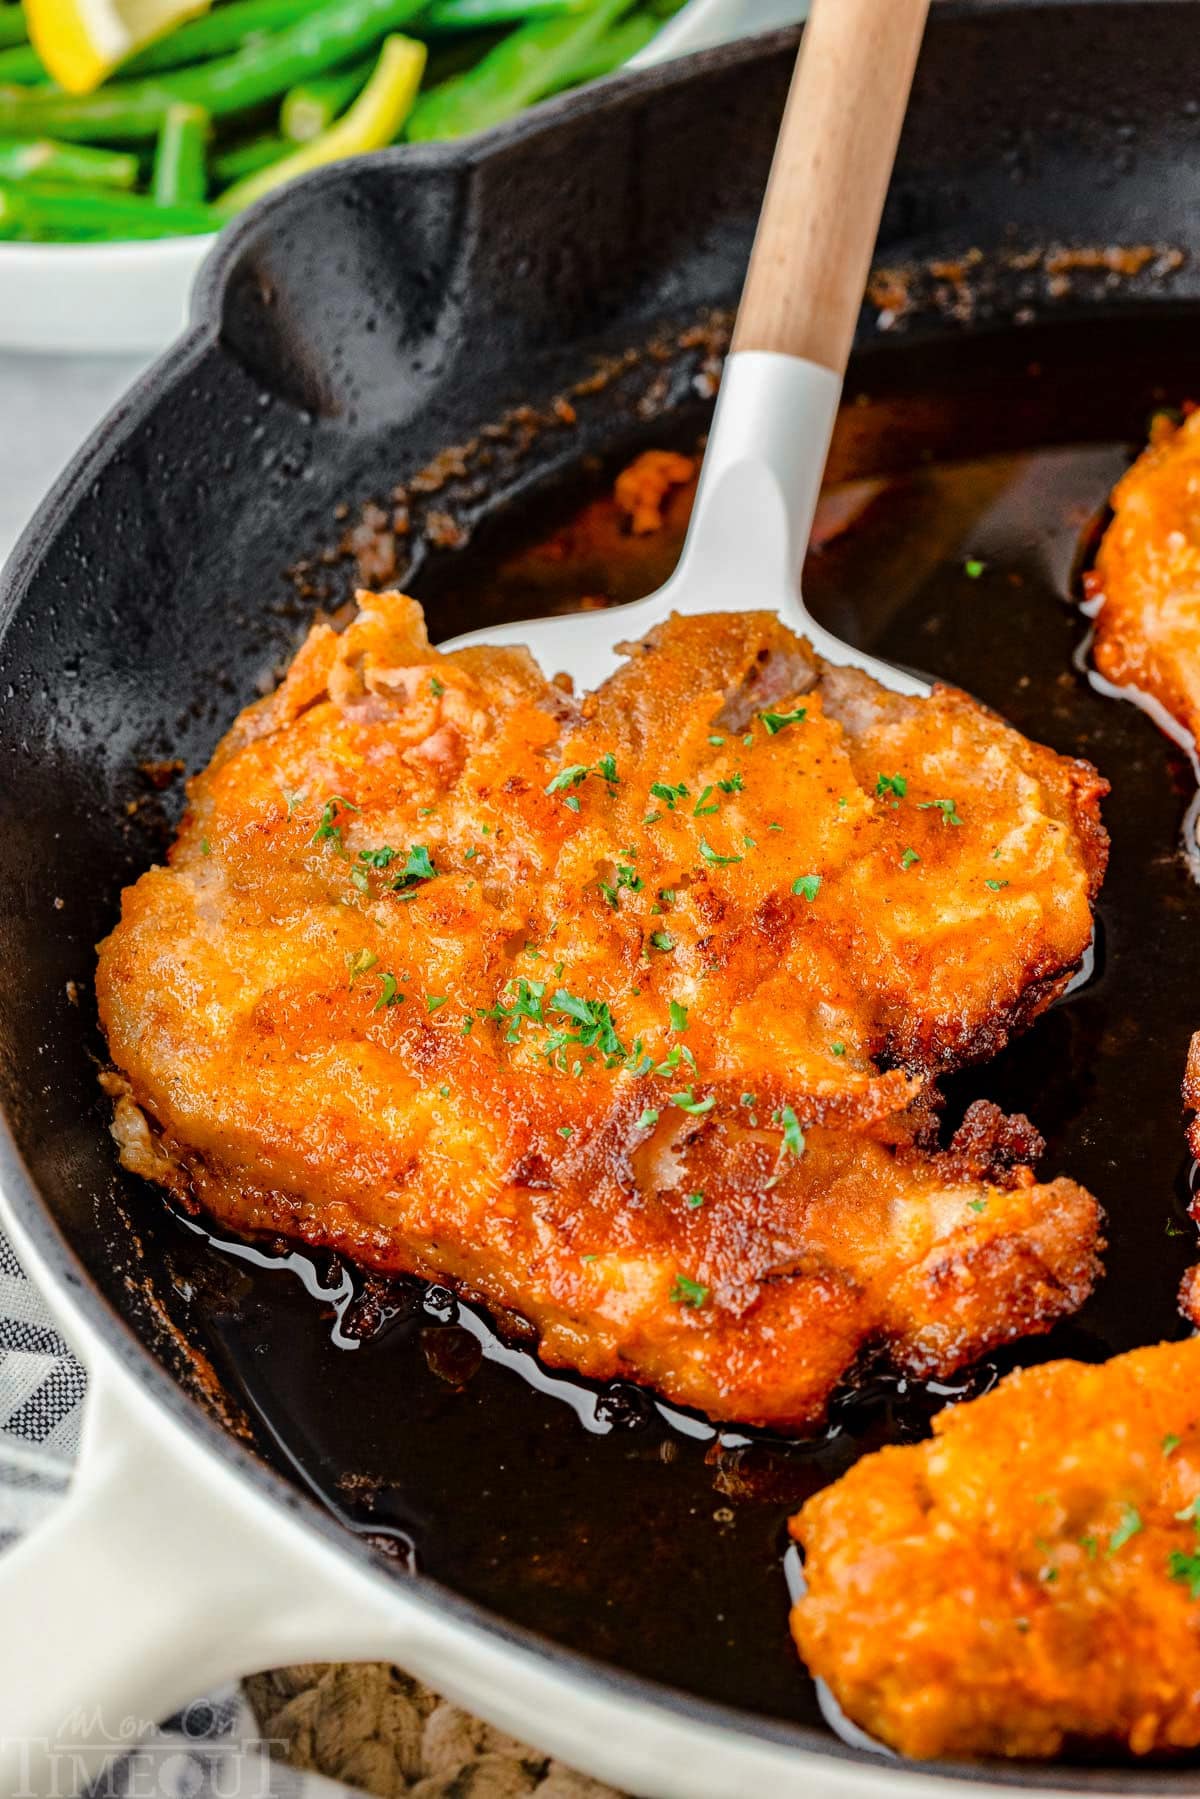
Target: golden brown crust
{"points": [[1027, 1579], [456, 1078], [1147, 574]]}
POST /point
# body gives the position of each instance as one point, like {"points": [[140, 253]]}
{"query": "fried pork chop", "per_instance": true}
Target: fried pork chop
{"points": [[621, 1013], [1147, 574], [1027, 1579]]}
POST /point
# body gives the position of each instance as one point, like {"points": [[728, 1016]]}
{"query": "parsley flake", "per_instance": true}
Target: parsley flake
{"points": [[807, 885], [694, 1201], [1170, 1443], [566, 1130], [774, 722], [947, 808], [662, 940], [434, 1001], [711, 855], [688, 1292], [995, 886], [1129, 1525], [679, 1016], [687, 1102], [359, 961], [793, 1136], [885, 784], [389, 993], [648, 1118], [716, 742], [417, 867], [328, 830], [670, 796], [435, 687], [973, 568], [908, 858], [839, 1048]]}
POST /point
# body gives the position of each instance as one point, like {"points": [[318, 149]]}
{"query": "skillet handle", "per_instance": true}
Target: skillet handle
{"points": [[152, 1583]]}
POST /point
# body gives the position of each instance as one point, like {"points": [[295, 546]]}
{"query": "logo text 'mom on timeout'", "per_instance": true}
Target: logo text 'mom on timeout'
{"points": [[90, 1759]]}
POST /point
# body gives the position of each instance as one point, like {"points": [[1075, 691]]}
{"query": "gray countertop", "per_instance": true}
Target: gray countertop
{"points": [[48, 405]]}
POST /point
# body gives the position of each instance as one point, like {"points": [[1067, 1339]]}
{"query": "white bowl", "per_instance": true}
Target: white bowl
{"points": [[133, 298]]}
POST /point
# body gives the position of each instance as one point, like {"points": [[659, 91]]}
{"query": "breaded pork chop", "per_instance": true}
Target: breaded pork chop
{"points": [[1027, 1579], [1147, 574], [619, 1012]]}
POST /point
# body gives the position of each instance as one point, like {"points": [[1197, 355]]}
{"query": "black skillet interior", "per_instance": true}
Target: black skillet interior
{"points": [[349, 332]]}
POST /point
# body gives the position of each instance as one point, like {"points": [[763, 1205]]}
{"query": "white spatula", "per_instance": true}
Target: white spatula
{"points": [[783, 377]]}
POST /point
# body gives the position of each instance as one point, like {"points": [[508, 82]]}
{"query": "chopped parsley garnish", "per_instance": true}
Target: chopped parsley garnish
{"points": [[839, 1048], [701, 809], [807, 885], [687, 1292], [748, 1099], [734, 784], [774, 722], [389, 993], [679, 1016], [566, 1130], [1129, 1525], [328, 830], [995, 885], [568, 777], [908, 858], [662, 940], [470, 855], [526, 999], [711, 855], [577, 772], [418, 867], [978, 1205], [716, 742], [359, 961], [378, 858], [947, 808], [626, 877], [649, 1117], [435, 687], [1181, 1566], [434, 1001], [670, 796], [596, 1028], [1170, 1443], [1186, 1568], [205, 847], [687, 1102], [694, 1201], [973, 568], [793, 1136], [894, 784]]}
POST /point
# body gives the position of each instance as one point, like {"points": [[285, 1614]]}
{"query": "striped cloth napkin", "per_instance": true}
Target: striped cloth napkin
{"points": [[214, 1749]]}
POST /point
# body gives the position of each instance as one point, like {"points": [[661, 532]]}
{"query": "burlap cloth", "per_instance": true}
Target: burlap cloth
{"points": [[373, 1727]]}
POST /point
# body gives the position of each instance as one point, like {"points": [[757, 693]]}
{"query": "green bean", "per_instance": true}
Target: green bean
{"points": [[469, 15], [312, 107], [41, 159], [22, 64], [180, 174], [35, 212], [523, 67], [226, 29], [615, 50], [375, 119], [231, 84], [12, 26], [239, 160]]}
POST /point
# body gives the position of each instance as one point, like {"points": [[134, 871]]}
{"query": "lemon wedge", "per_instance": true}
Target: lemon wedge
{"points": [[81, 42]]}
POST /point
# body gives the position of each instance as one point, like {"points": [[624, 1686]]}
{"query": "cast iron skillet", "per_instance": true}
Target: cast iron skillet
{"points": [[346, 333]]}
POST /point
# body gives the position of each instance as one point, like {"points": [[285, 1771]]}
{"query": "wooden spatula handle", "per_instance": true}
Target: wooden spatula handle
{"points": [[829, 179]]}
